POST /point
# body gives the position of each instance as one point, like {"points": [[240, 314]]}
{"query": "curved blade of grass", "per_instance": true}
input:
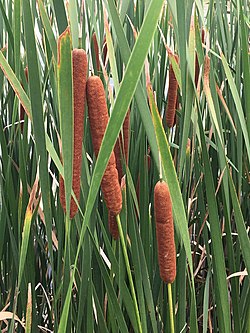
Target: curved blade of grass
{"points": [[65, 98], [29, 310], [48, 29], [7, 24], [206, 303], [245, 64], [60, 14], [218, 255], [237, 102], [145, 276], [38, 123], [16, 85], [17, 34], [110, 289], [72, 10], [101, 320], [26, 231], [111, 54], [140, 95], [239, 220]]}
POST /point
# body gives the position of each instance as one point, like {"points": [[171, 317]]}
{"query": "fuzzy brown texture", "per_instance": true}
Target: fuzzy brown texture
{"points": [[165, 232], [113, 226], [98, 119], [22, 111], [172, 96], [79, 63], [96, 49], [122, 146]]}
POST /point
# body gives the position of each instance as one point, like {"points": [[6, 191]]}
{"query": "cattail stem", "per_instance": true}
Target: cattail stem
{"points": [[171, 311], [131, 283]]}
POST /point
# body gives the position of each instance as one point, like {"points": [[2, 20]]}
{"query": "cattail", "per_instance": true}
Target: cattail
{"points": [[22, 111], [112, 223], [96, 50], [79, 61], [113, 227], [122, 145], [98, 118], [172, 96], [165, 232]]}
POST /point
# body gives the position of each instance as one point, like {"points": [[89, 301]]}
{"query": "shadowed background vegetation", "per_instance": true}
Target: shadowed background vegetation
{"points": [[62, 275]]}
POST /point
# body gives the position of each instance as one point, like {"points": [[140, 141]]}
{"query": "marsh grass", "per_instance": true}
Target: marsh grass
{"points": [[62, 275]]}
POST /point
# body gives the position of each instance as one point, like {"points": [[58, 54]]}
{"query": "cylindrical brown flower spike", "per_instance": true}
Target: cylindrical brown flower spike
{"points": [[98, 119], [165, 232], [113, 226], [79, 60], [172, 96]]}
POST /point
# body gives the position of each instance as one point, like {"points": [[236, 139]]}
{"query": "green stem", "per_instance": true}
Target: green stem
{"points": [[171, 312], [125, 254]]}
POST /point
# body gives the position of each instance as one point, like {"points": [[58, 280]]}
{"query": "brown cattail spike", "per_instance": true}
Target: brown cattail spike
{"points": [[113, 226], [79, 60], [98, 118], [165, 232], [172, 96]]}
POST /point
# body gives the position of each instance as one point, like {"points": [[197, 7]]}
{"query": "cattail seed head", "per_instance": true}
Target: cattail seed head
{"points": [[98, 119], [172, 96], [79, 62], [113, 227], [165, 232]]}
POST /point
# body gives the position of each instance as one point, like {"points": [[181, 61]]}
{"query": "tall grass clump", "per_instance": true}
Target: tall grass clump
{"points": [[79, 238]]}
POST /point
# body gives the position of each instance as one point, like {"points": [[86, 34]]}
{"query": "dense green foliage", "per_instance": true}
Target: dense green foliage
{"points": [[62, 275]]}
